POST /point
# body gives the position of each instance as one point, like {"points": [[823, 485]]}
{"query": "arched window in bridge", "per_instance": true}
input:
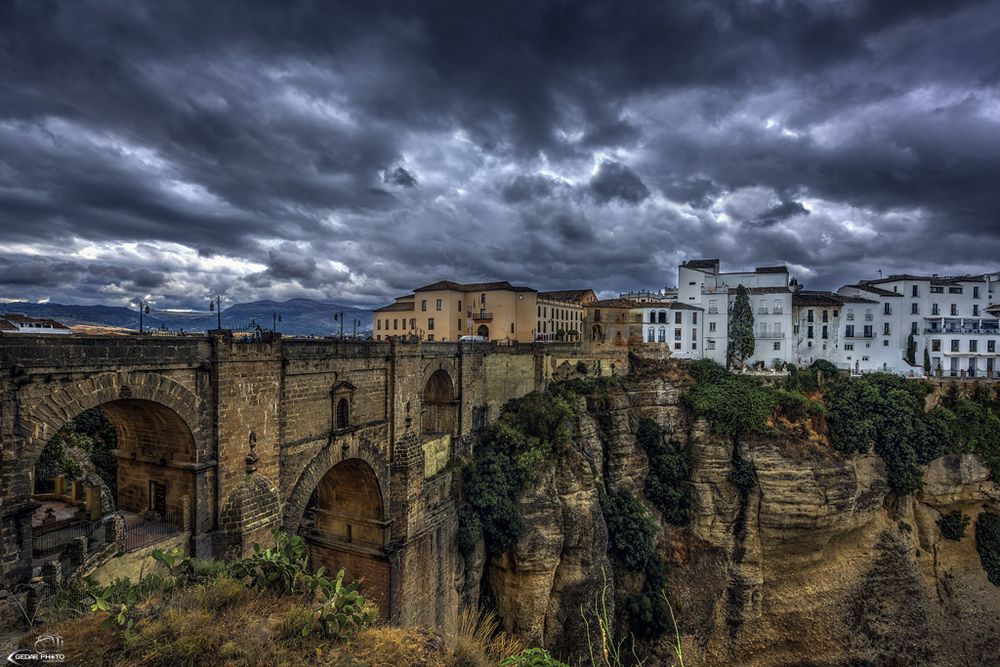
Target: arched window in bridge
{"points": [[342, 395]]}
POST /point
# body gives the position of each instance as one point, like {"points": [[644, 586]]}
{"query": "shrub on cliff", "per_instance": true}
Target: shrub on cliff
{"points": [[953, 525], [669, 468], [988, 545], [630, 529], [733, 404], [510, 454]]}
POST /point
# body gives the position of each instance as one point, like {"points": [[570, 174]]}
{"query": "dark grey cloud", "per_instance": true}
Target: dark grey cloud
{"points": [[615, 181], [351, 150]]}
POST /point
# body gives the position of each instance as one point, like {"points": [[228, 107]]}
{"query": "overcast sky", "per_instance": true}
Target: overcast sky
{"points": [[352, 151]]}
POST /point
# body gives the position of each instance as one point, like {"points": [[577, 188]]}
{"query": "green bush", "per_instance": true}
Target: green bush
{"points": [[532, 657], [669, 468], [744, 476], [988, 545], [630, 530], [796, 406], [491, 486], [648, 613], [953, 525], [732, 404]]}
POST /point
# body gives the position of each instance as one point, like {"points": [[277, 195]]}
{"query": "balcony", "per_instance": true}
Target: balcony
{"points": [[481, 316], [769, 333], [869, 317], [713, 310]]}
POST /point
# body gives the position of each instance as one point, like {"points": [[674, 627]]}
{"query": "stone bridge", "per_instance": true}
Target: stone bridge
{"points": [[346, 443]]}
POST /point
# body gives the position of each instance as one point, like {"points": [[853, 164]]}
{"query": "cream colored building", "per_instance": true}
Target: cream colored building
{"points": [[445, 311], [560, 314]]}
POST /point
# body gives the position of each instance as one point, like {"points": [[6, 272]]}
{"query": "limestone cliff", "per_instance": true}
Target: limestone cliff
{"points": [[818, 565]]}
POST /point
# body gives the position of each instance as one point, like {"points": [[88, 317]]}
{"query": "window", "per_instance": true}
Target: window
{"points": [[824, 334], [677, 346], [913, 327], [887, 308], [694, 317], [395, 324], [991, 346], [975, 310], [915, 291], [694, 334], [935, 310], [539, 309], [713, 306], [437, 305], [868, 331], [973, 345], [885, 343], [711, 327], [663, 336], [678, 317], [954, 345], [975, 292], [850, 314], [677, 334], [849, 347], [885, 329], [915, 308], [430, 338], [777, 345], [460, 326], [423, 304], [954, 290], [777, 306], [378, 324], [343, 413], [512, 327], [809, 332], [809, 316], [597, 315], [711, 344], [482, 299], [651, 335], [954, 309], [935, 345], [937, 290], [430, 324], [459, 305], [826, 315], [694, 345], [849, 331]]}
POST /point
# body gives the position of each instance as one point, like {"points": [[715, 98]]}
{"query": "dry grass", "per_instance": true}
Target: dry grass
{"points": [[480, 641]]}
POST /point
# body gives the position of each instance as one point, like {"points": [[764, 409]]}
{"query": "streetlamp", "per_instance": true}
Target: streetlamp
{"points": [[275, 318], [143, 310], [356, 323], [215, 305], [339, 316]]}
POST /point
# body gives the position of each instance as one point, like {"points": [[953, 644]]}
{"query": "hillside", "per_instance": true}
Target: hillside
{"points": [[300, 317]]}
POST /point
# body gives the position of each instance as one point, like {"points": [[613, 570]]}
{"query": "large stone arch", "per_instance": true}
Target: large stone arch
{"points": [[42, 416], [439, 403], [323, 462]]}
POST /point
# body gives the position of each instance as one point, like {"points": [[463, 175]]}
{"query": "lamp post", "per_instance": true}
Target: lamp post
{"points": [[356, 323], [339, 316], [143, 310], [215, 305], [275, 318]]}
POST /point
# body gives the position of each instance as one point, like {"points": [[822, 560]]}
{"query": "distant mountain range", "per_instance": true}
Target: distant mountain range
{"points": [[300, 317]]}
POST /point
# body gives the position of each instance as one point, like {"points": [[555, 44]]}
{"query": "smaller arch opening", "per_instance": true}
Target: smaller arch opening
{"points": [[440, 407], [483, 331]]}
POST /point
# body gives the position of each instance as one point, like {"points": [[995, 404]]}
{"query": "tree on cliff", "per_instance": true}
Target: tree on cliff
{"points": [[911, 350], [927, 361], [741, 340]]}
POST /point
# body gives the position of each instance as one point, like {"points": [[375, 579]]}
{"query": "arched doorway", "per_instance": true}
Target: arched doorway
{"points": [[129, 456], [483, 331], [440, 408], [344, 527]]}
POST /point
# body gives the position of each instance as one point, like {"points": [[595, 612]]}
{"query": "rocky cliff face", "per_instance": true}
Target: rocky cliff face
{"points": [[818, 565]]}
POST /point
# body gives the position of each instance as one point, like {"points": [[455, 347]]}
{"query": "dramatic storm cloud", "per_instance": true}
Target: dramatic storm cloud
{"points": [[172, 150]]}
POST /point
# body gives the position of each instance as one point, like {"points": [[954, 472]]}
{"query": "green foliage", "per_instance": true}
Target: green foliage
{"points": [[511, 453], [887, 411], [953, 525], [274, 568], [988, 545], [810, 379], [91, 432], [581, 367], [927, 361], [744, 476], [532, 657], [630, 530], [976, 428], [796, 406], [911, 350], [341, 611], [732, 404], [119, 612], [741, 338], [669, 468], [648, 610]]}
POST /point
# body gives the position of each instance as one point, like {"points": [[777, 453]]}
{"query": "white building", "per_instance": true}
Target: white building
{"points": [[700, 283], [13, 323], [951, 317], [678, 325]]}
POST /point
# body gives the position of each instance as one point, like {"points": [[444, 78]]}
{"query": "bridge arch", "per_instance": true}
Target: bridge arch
{"points": [[439, 414], [340, 506]]}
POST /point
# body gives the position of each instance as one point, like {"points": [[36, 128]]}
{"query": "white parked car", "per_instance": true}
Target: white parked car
{"points": [[472, 339]]}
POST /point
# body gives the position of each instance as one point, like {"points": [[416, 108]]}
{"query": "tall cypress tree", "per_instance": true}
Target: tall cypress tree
{"points": [[741, 339], [927, 361], [911, 350]]}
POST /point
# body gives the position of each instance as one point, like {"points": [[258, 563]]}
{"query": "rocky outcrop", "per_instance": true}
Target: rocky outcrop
{"points": [[818, 564]]}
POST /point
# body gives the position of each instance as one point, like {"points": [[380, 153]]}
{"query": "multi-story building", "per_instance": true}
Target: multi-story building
{"points": [[700, 283], [559, 314], [949, 316], [16, 323], [446, 311], [612, 321], [677, 325]]}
